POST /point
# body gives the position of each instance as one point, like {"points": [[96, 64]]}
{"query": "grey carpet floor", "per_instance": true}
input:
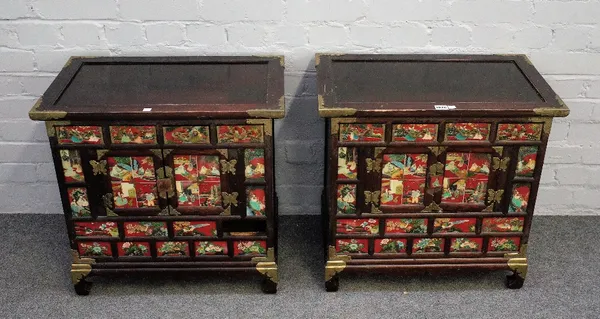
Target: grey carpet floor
{"points": [[563, 281]]}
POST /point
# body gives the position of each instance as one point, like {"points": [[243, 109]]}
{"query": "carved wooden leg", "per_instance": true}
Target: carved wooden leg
{"points": [[268, 286], [332, 284], [518, 264], [515, 281], [83, 287], [79, 273], [268, 268]]}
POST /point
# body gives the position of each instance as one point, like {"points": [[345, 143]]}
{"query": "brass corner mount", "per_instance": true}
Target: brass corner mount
{"points": [[335, 263]]}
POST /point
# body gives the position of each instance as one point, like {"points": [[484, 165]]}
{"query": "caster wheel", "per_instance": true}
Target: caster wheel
{"points": [[268, 286], [83, 287], [514, 281], [332, 284]]}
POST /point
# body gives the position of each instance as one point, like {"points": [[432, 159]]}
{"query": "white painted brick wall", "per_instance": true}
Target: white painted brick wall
{"points": [[561, 37]]}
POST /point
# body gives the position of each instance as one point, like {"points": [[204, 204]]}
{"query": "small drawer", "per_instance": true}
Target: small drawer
{"points": [[236, 134], [390, 246], [208, 248], [503, 225], [362, 132], [414, 132], [465, 245], [145, 134], [133, 249], [467, 131], [352, 246], [195, 228], [96, 229], [94, 249], [406, 225], [519, 131], [146, 229], [358, 226], [79, 135], [454, 225], [186, 134], [249, 247], [502, 244], [428, 245], [172, 249]]}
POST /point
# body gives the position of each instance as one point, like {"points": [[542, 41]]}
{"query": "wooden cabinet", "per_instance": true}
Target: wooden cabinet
{"points": [[433, 161], [166, 164]]}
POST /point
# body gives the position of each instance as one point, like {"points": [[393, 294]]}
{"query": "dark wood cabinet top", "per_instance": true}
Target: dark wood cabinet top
{"points": [[165, 88], [412, 85]]}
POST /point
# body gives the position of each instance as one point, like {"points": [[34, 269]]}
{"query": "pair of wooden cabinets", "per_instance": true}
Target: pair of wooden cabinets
{"points": [[433, 162]]}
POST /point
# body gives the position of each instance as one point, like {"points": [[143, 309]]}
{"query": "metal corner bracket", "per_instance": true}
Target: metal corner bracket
{"points": [[517, 262], [335, 263], [267, 265], [81, 267]]}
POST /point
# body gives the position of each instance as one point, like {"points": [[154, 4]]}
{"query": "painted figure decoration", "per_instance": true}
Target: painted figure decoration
{"points": [[254, 161], [133, 181], [466, 178], [133, 134], [197, 180], [520, 197], [79, 134], [526, 161], [403, 179], [347, 159], [414, 132], [362, 132], [186, 134], [80, 206], [346, 199], [255, 201]]}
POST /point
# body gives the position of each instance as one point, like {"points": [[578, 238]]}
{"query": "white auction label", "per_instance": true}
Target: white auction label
{"points": [[147, 109]]}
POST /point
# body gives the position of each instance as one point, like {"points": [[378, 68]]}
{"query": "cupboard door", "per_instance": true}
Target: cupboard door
{"points": [[128, 182], [204, 181], [470, 178]]}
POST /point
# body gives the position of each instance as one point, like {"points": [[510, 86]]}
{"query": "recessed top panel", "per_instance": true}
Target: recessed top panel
{"points": [[431, 81], [167, 83], [201, 87], [382, 85]]}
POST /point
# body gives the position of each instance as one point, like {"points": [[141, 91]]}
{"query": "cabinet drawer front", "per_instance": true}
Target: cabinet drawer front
{"points": [[234, 134], [145, 229], [197, 180], [503, 224], [172, 249], [79, 135], [133, 181], [144, 134], [358, 226], [526, 161], [78, 201], [454, 225], [519, 132], [403, 179], [428, 245], [414, 132], [71, 164], [210, 248], [467, 131], [133, 249], [186, 134], [406, 225], [249, 248], [352, 246], [362, 132], [465, 245], [504, 244], [94, 249], [390, 246], [96, 229], [195, 228]]}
